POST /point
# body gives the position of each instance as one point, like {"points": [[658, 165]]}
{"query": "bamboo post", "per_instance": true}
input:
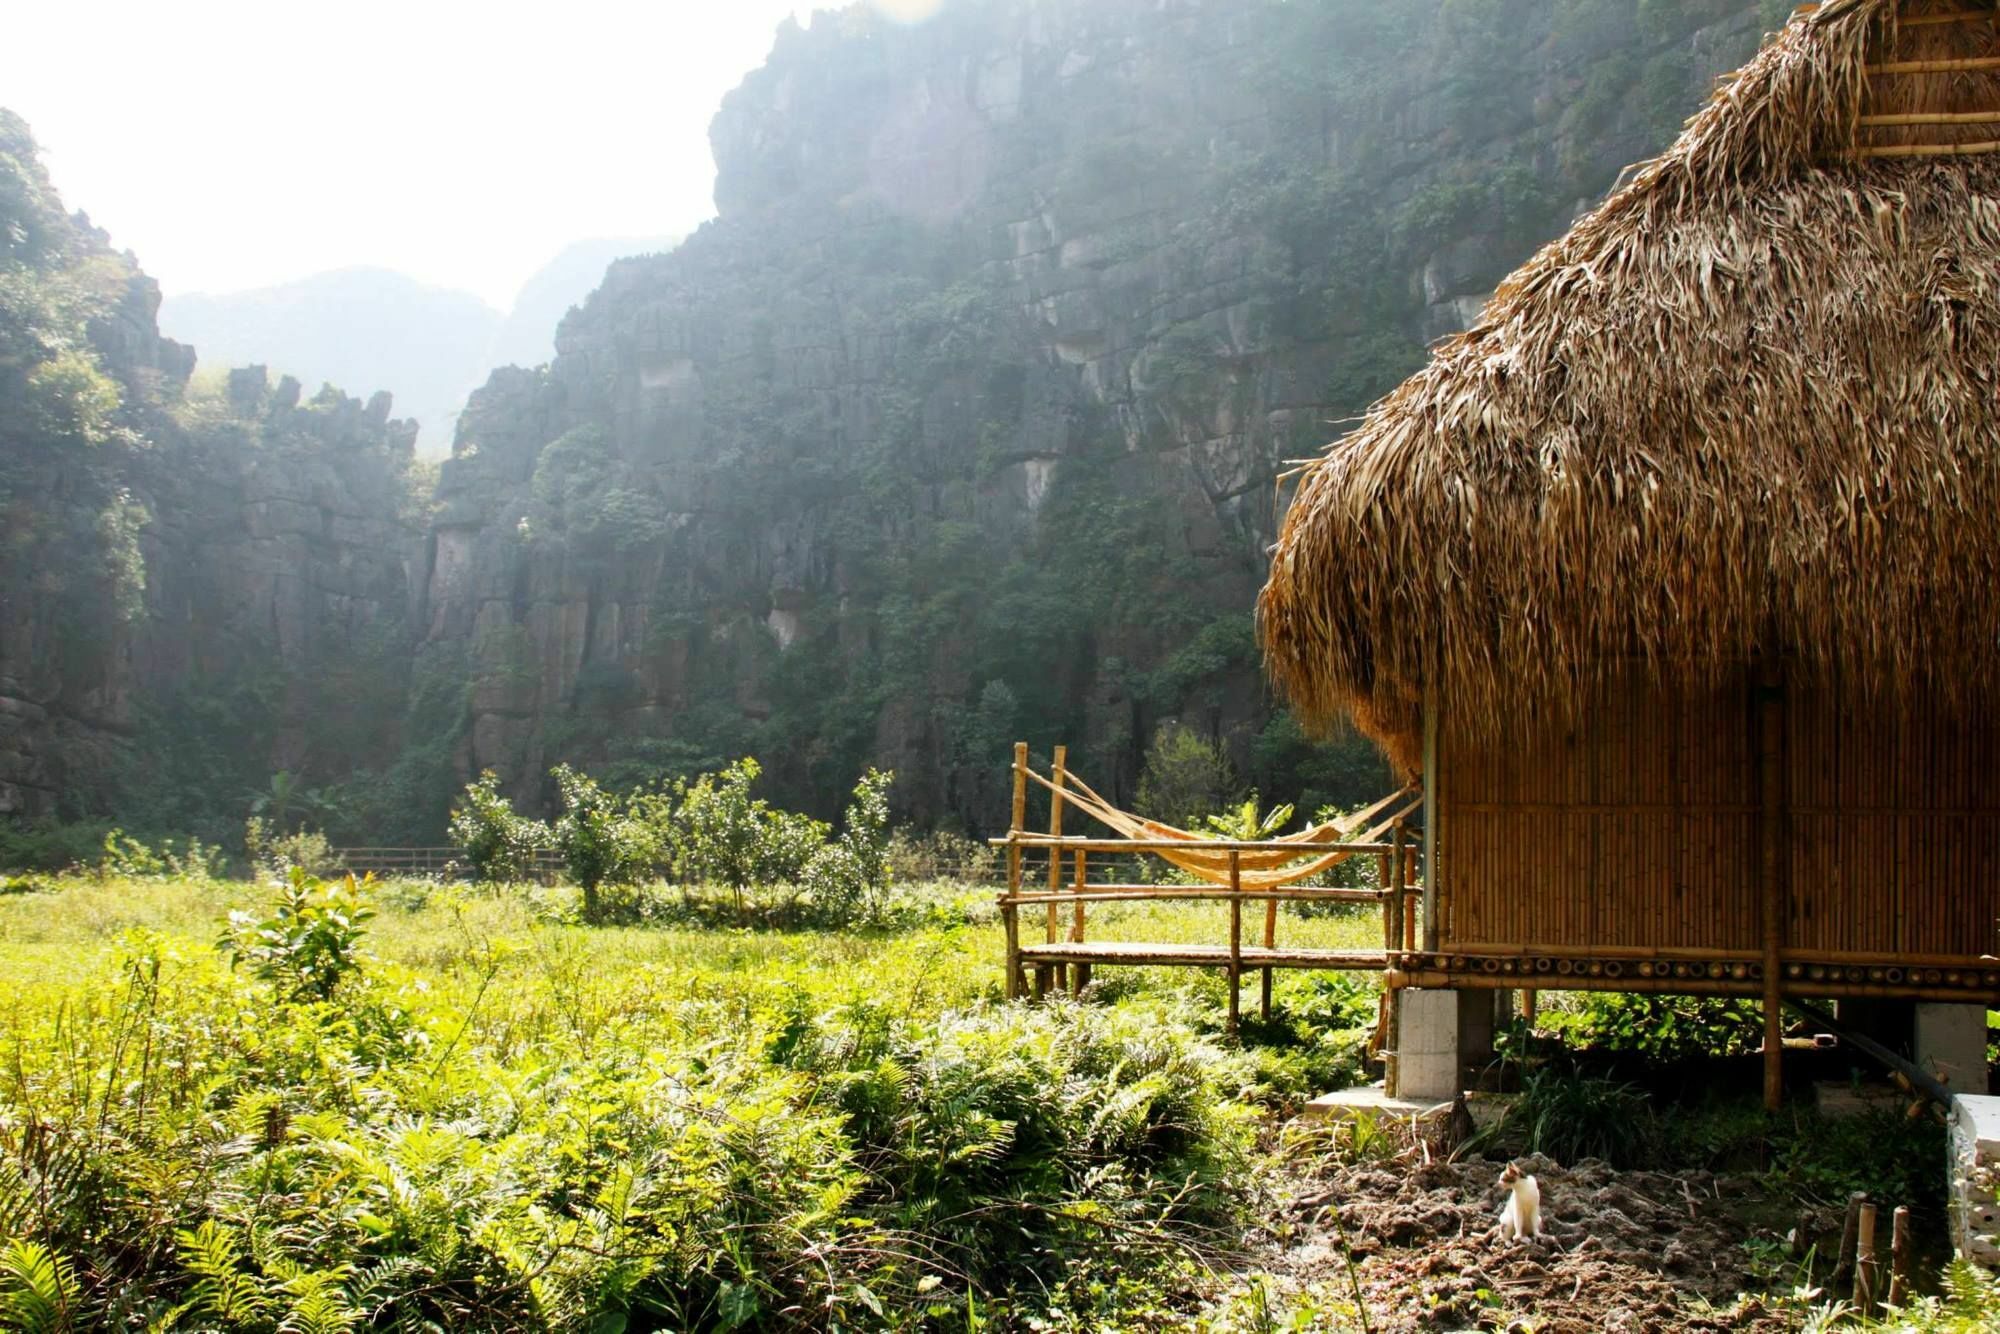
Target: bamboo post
{"points": [[1235, 936], [1528, 1006], [1270, 943], [1410, 890], [1771, 831], [1865, 1263], [1899, 1256], [1079, 973], [1392, 878], [1431, 920], [1849, 1229], [1056, 804], [1010, 912]]}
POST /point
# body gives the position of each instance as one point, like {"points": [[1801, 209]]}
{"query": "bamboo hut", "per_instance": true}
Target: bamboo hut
{"points": [[1677, 576]]}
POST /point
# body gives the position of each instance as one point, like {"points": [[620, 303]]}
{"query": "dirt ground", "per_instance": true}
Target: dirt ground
{"points": [[1624, 1252]]}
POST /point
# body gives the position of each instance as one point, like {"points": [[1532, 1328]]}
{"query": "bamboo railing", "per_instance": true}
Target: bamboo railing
{"points": [[1064, 957]]}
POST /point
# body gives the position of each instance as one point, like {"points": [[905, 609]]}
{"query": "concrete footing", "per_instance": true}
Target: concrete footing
{"points": [[1951, 1044], [1444, 1039]]}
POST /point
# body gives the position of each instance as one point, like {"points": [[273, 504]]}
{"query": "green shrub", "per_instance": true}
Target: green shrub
{"points": [[848, 880], [311, 940], [721, 834], [599, 842], [1570, 1116], [276, 854], [173, 859], [1659, 1027], [499, 844]]}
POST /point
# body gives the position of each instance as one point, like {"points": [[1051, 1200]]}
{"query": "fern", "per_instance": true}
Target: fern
{"points": [[221, 1288], [37, 1289]]}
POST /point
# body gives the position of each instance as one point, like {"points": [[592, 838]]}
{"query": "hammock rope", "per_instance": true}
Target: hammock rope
{"points": [[1257, 868]]}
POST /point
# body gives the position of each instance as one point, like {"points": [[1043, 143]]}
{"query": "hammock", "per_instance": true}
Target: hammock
{"points": [[1256, 869]]}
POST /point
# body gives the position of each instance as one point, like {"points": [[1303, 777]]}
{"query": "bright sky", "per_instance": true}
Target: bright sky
{"points": [[234, 145]]}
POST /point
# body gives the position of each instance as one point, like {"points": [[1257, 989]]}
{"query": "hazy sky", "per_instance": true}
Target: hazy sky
{"points": [[234, 144]]}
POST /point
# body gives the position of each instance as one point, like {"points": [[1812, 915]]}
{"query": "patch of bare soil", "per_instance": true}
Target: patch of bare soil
{"points": [[1622, 1252]]}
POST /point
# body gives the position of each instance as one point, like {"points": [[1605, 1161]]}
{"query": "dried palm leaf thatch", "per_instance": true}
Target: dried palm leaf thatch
{"points": [[1745, 407]]}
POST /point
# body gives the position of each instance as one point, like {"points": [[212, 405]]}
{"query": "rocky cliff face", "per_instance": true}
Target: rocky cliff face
{"points": [[198, 572], [964, 418]]}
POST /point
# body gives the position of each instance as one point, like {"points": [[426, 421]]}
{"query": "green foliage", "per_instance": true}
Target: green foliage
{"points": [[176, 859], [599, 842], [847, 881], [723, 835], [1569, 1116], [311, 940], [499, 844], [521, 1127], [1186, 776], [277, 854], [1660, 1027], [37, 1289]]}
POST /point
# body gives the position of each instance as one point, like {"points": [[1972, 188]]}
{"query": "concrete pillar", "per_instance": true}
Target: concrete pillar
{"points": [[1444, 1039], [1951, 1043]]}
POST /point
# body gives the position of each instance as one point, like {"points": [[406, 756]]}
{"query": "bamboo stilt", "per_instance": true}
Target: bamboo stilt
{"points": [[1899, 1256], [1235, 939], [1866, 1266], [1850, 1228], [1079, 973], [1010, 912], [1270, 943], [1771, 837], [1056, 776]]}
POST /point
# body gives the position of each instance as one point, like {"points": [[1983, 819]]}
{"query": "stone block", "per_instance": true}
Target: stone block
{"points": [[1951, 1043]]}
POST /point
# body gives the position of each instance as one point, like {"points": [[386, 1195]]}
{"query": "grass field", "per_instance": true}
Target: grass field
{"points": [[491, 1117]]}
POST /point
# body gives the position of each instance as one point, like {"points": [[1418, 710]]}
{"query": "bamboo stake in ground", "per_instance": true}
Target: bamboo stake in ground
{"points": [[1899, 1256], [1843, 1266], [1865, 1263]]}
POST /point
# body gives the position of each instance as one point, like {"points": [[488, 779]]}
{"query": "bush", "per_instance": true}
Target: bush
{"points": [[720, 834], [173, 859], [1186, 775], [499, 845], [1659, 1027], [1570, 1116], [599, 843], [276, 854], [311, 940], [848, 880], [941, 854]]}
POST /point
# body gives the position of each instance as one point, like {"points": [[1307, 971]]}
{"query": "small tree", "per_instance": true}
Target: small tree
{"points": [[311, 940], [848, 880], [1186, 776], [599, 843], [499, 844]]}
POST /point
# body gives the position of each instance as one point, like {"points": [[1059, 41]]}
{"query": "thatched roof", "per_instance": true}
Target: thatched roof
{"points": [[1745, 406]]}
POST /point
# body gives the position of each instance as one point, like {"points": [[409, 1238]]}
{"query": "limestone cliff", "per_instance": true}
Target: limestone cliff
{"points": [[198, 570], [963, 419]]}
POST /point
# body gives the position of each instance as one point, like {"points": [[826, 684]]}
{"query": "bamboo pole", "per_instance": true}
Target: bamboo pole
{"points": [[1431, 924], [1270, 943], [1899, 1256], [1850, 1228], [1056, 775], [1079, 973], [1866, 1266], [1931, 117], [1392, 879], [1772, 849], [1008, 910], [1235, 938], [1951, 66], [1971, 148]]}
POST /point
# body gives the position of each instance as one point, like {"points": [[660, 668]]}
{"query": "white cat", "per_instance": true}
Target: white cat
{"points": [[1522, 1216]]}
